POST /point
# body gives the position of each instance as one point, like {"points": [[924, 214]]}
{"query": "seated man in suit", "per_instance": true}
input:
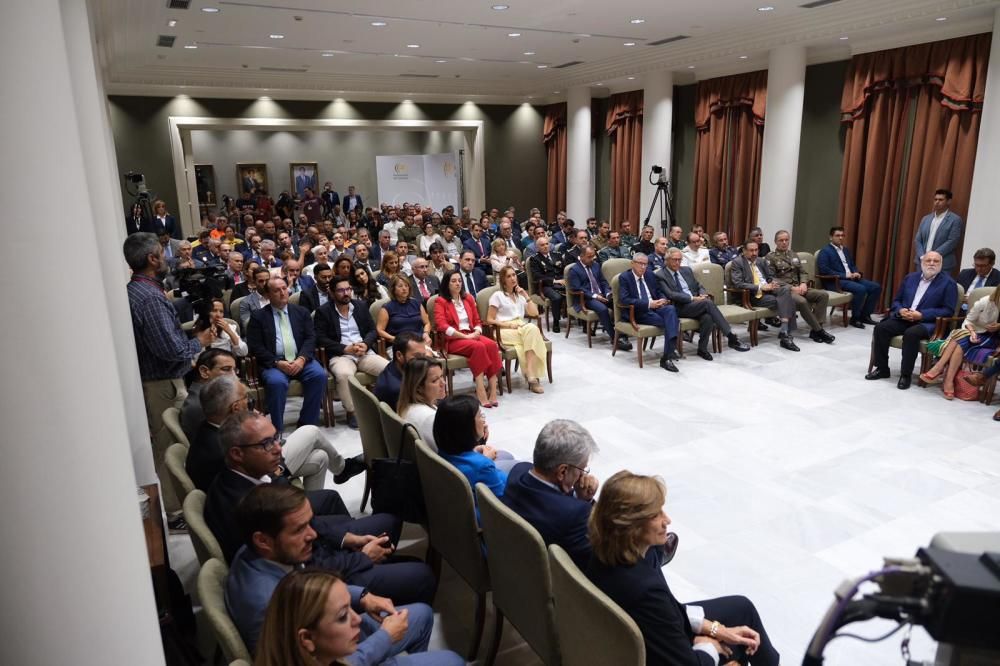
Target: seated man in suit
{"points": [[547, 272], [422, 284], [212, 363], [256, 298], [754, 274], [573, 247], [360, 548], [585, 277], [407, 345], [472, 277], [922, 297], [282, 339], [479, 243], [691, 301], [276, 539], [982, 274], [555, 492], [316, 295], [812, 303], [835, 259], [939, 231], [638, 288], [344, 328]]}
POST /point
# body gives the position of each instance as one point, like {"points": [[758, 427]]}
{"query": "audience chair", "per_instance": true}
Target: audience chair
{"points": [[942, 327], [234, 313], [227, 295], [519, 571], [592, 628], [711, 278], [373, 446], [294, 298], [172, 420], [452, 362], [838, 299], [211, 592], [613, 267], [978, 293], [395, 431], [206, 546], [823, 280], [537, 296], [587, 318], [643, 333], [176, 455], [453, 529], [380, 342], [742, 297], [507, 354]]}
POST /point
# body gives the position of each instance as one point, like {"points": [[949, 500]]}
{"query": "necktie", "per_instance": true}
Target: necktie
{"points": [[593, 282], [423, 290], [756, 278], [469, 286], [979, 282], [643, 292], [682, 284], [287, 339]]}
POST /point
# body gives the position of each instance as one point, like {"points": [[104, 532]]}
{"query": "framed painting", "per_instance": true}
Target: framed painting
{"points": [[251, 177], [302, 175], [204, 178]]}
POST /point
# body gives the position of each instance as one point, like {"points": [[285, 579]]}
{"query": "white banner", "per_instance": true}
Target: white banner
{"points": [[431, 180]]}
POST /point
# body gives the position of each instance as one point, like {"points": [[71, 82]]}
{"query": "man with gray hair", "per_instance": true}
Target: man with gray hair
{"points": [[555, 492]]}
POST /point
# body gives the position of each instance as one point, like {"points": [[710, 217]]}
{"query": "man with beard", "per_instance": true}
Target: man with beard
{"points": [[922, 297]]}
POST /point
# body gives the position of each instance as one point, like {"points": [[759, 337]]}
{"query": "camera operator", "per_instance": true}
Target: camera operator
{"points": [[165, 352]]}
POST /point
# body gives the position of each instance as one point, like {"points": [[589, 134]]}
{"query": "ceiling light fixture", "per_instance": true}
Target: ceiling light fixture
{"points": [[327, 55], [171, 23], [637, 21], [378, 24], [276, 36], [467, 59], [513, 34], [744, 57], [598, 84], [629, 44], [190, 46], [543, 66], [941, 18], [440, 61], [844, 38], [500, 8], [210, 10], [413, 46], [690, 66], [529, 53], [555, 92], [630, 78], [765, 8]]}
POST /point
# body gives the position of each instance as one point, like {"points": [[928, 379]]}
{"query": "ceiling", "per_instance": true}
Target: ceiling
{"points": [[458, 50]]}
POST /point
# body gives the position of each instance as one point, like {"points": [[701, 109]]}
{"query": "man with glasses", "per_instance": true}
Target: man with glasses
{"points": [[555, 492], [360, 548], [344, 328], [639, 289]]}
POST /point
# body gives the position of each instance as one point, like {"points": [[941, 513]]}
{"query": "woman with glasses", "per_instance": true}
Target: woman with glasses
{"points": [[422, 387]]}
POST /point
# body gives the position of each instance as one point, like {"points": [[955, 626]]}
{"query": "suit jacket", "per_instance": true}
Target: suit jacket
{"points": [[939, 300], [310, 297], [175, 250], [675, 292], [262, 334], [945, 240], [433, 285], [578, 281], [352, 202], [478, 279], [643, 593], [446, 315], [481, 247], [828, 262], [742, 276], [545, 269], [240, 290], [968, 276], [328, 334], [558, 517], [628, 291], [205, 458]]}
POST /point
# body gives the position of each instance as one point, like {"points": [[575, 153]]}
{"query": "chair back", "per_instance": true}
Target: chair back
{"points": [[294, 298], [483, 301], [376, 306], [616, 313], [451, 517], [227, 295], [176, 456], [172, 420], [592, 628], [519, 571], [961, 299], [211, 592], [728, 272], [234, 308], [366, 410], [710, 276], [807, 261], [978, 293], [394, 431], [515, 249], [613, 267], [530, 277], [206, 546]]}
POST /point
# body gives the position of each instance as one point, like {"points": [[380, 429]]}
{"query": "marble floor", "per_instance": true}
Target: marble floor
{"points": [[787, 473]]}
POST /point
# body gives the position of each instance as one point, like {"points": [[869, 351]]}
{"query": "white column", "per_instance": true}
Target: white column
{"points": [[657, 122], [579, 200], [75, 575], [984, 201], [786, 80]]}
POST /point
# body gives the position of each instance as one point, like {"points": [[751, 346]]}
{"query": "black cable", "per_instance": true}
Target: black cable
{"points": [[867, 639]]}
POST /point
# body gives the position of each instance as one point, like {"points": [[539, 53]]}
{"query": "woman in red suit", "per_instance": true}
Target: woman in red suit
{"points": [[456, 315]]}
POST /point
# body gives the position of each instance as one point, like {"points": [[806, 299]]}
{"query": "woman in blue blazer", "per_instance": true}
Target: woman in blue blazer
{"points": [[460, 432]]}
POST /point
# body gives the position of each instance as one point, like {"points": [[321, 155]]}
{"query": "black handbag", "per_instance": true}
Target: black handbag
{"points": [[396, 486]]}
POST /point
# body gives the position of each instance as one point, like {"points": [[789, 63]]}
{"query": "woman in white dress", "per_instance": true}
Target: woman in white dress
{"points": [[428, 238], [508, 307]]}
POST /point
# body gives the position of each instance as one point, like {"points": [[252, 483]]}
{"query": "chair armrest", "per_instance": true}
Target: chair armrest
{"points": [[631, 317], [538, 323], [380, 347], [745, 295], [836, 281], [944, 325], [579, 295]]}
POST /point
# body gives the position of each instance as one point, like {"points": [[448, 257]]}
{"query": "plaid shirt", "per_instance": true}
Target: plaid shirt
{"points": [[164, 351]]}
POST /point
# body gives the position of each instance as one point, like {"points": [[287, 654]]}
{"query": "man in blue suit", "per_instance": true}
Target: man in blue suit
{"points": [[473, 278], [940, 231], [585, 277], [835, 259], [637, 287], [922, 297], [280, 336]]}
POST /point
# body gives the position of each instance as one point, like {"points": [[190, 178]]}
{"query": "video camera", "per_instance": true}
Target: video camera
{"points": [[200, 286]]}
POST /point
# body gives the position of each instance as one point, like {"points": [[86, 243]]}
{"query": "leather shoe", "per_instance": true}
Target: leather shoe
{"points": [[786, 342], [773, 321], [996, 415], [761, 326], [868, 320], [624, 345], [668, 365], [352, 467], [903, 383], [555, 326], [857, 324], [705, 354], [877, 373], [670, 547], [975, 378], [734, 343], [821, 336], [673, 355]]}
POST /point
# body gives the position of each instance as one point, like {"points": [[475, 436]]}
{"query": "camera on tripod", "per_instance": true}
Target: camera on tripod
{"points": [[658, 177], [660, 173]]}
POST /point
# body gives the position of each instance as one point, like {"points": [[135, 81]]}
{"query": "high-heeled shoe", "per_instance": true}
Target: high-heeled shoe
{"points": [[929, 379], [949, 394]]}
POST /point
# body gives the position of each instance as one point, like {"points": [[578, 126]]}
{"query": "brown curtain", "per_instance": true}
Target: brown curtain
{"points": [[912, 117], [624, 125], [554, 138], [729, 121]]}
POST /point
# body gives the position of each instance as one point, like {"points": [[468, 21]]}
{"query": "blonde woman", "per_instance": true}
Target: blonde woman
{"points": [[422, 387], [502, 256], [974, 342], [508, 306]]}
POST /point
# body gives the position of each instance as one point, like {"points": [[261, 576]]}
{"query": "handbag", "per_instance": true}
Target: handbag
{"points": [[963, 389], [396, 486]]}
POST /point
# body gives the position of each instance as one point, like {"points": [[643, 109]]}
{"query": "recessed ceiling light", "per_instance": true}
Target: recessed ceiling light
{"points": [[531, 97], [844, 38], [378, 24], [440, 61], [413, 46], [529, 53], [513, 34], [408, 100], [190, 46], [327, 55], [690, 66], [629, 44], [765, 8], [277, 36], [744, 57], [555, 92], [523, 62], [598, 84], [637, 21], [584, 35], [210, 10], [467, 59], [543, 66], [631, 78], [500, 8], [941, 18], [171, 23]]}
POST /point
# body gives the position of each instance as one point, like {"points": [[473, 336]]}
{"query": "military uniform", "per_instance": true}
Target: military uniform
{"points": [[787, 269], [545, 270], [628, 240], [409, 233], [608, 252], [597, 241]]}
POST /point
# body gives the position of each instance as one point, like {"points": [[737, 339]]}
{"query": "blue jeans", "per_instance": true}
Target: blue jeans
{"points": [[313, 378], [377, 648]]}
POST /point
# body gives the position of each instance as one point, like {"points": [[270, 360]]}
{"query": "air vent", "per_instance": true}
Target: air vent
{"points": [[165, 41], [667, 40], [419, 76], [292, 70], [817, 3], [568, 64], [178, 4]]}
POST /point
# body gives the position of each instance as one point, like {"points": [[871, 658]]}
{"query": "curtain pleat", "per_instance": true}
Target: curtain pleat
{"points": [[554, 138], [624, 125]]}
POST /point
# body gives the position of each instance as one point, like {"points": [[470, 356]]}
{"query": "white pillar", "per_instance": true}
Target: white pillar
{"points": [[984, 201], [75, 574], [579, 200], [786, 81], [657, 123]]}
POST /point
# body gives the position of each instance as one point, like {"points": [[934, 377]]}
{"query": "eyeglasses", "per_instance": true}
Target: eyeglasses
{"points": [[584, 470], [344, 290], [267, 444]]}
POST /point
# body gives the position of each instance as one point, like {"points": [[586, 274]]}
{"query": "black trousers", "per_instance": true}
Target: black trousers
{"points": [[556, 297], [709, 318], [735, 611], [912, 334]]}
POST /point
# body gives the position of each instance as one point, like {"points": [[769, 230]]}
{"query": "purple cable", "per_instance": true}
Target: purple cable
{"points": [[847, 599]]}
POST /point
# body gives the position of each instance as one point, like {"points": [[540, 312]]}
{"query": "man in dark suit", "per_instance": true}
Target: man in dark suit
{"points": [[547, 272], [940, 231], [407, 345], [752, 273], [586, 278], [638, 288], [220, 397], [479, 243], [423, 284], [472, 277], [555, 492], [281, 337], [922, 297], [330, 198], [982, 274], [344, 328], [315, 293], [835, 259], [352, 201], [691, 301]]}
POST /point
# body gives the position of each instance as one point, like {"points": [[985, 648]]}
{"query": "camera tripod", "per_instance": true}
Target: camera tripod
{"points": [[662, 196]]}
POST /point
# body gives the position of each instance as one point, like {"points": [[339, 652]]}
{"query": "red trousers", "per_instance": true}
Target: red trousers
{"points": [[482, 352]]}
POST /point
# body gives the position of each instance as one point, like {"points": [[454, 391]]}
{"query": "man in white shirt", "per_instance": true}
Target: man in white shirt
{"points": [[694, 252], [393, 225]]}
